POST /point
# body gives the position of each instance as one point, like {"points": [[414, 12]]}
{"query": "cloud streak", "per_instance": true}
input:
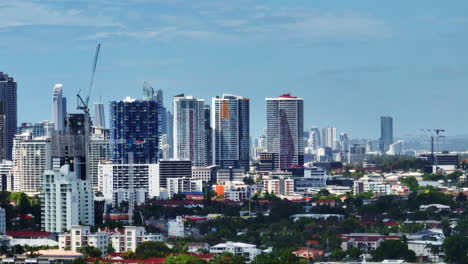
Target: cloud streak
{"points": [[224, 22], [23, 13]]}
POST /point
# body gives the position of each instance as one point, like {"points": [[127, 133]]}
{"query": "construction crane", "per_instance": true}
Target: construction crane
{"points": [[82, 104], [436, 137]]}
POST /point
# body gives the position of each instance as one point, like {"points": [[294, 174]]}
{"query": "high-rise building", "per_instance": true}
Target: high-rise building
{"points": [[65, 200], [59, 109], [208, 136], [2, 136], [231, 131], [357, 154], [99, 115], [189, 129], [135, 127], [98, 153], [115, 183], [8, 108], [396, 148], [40, 129], [313, 141], [329, 138], [344, 142], [31, 159], [285, 129], [173, 169], [386, 133]]}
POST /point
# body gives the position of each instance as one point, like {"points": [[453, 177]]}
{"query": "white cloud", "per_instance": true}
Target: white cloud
{"points": [[21, 13], [230, 21]]}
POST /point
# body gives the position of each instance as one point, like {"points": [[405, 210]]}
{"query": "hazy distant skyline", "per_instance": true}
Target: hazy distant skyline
{"points": [[351, 61]]}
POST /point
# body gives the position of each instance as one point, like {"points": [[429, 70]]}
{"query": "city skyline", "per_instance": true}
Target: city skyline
{"points": [[359, 51]]}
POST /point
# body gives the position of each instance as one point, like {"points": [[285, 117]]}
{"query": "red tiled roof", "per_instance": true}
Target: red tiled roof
{"points": [[287, 96], [28, 233]]}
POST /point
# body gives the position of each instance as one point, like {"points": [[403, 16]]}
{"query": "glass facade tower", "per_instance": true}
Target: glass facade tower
{"points": [[135, 127], [285, 130]]}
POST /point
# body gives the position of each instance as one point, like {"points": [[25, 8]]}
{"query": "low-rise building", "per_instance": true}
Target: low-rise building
{"points": [[81, 236], [176, 227], [131, 237], [371, 183], [308, 253], [248, 251], [364, 241], [438, 207], [427, 250], [279, 186]]}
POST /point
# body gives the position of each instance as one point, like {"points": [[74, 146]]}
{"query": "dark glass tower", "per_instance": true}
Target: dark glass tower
{"points": [[9, 110], [285, 131], [386, 133], [135, 127]]}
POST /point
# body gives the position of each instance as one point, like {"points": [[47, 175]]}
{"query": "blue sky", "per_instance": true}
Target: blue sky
{"points": [[351, 61]]}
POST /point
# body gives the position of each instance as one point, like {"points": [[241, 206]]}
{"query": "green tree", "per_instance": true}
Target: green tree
{"points": [[446, 228], [228, 258], [183, 259], [287, 257], [266, 259], [337, 254], [152, 249], [110, 248], [353, 253], [79, 260], [393, 249], [456, 249], [411, 182], [128, 255], [90, 251]]}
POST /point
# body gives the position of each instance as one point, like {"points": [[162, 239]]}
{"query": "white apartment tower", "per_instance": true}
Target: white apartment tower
{"points": [[31, 157], [65, 200], [189, 129], [329, 138]]}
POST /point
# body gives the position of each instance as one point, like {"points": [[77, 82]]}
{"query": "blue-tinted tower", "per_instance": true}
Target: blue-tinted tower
{"points": [[135, 127]]}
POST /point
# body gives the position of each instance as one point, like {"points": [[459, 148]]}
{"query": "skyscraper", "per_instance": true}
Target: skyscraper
{"points": [[9, 110], [344, 142], [231, 131], [208, 136], [59, 108], [329, 137], [189, 129], [285, 129], [386, 133], [99, 116], [31, 159], [314, 142], [98, 153], [135, 127]]}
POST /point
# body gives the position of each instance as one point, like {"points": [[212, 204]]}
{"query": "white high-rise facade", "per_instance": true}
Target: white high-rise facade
{"points": [[65, 200], [329, 137], [189, 129], [285, 130], [98, 153], [230, 123], [114, 182], [59, 108], [31, 157]]}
